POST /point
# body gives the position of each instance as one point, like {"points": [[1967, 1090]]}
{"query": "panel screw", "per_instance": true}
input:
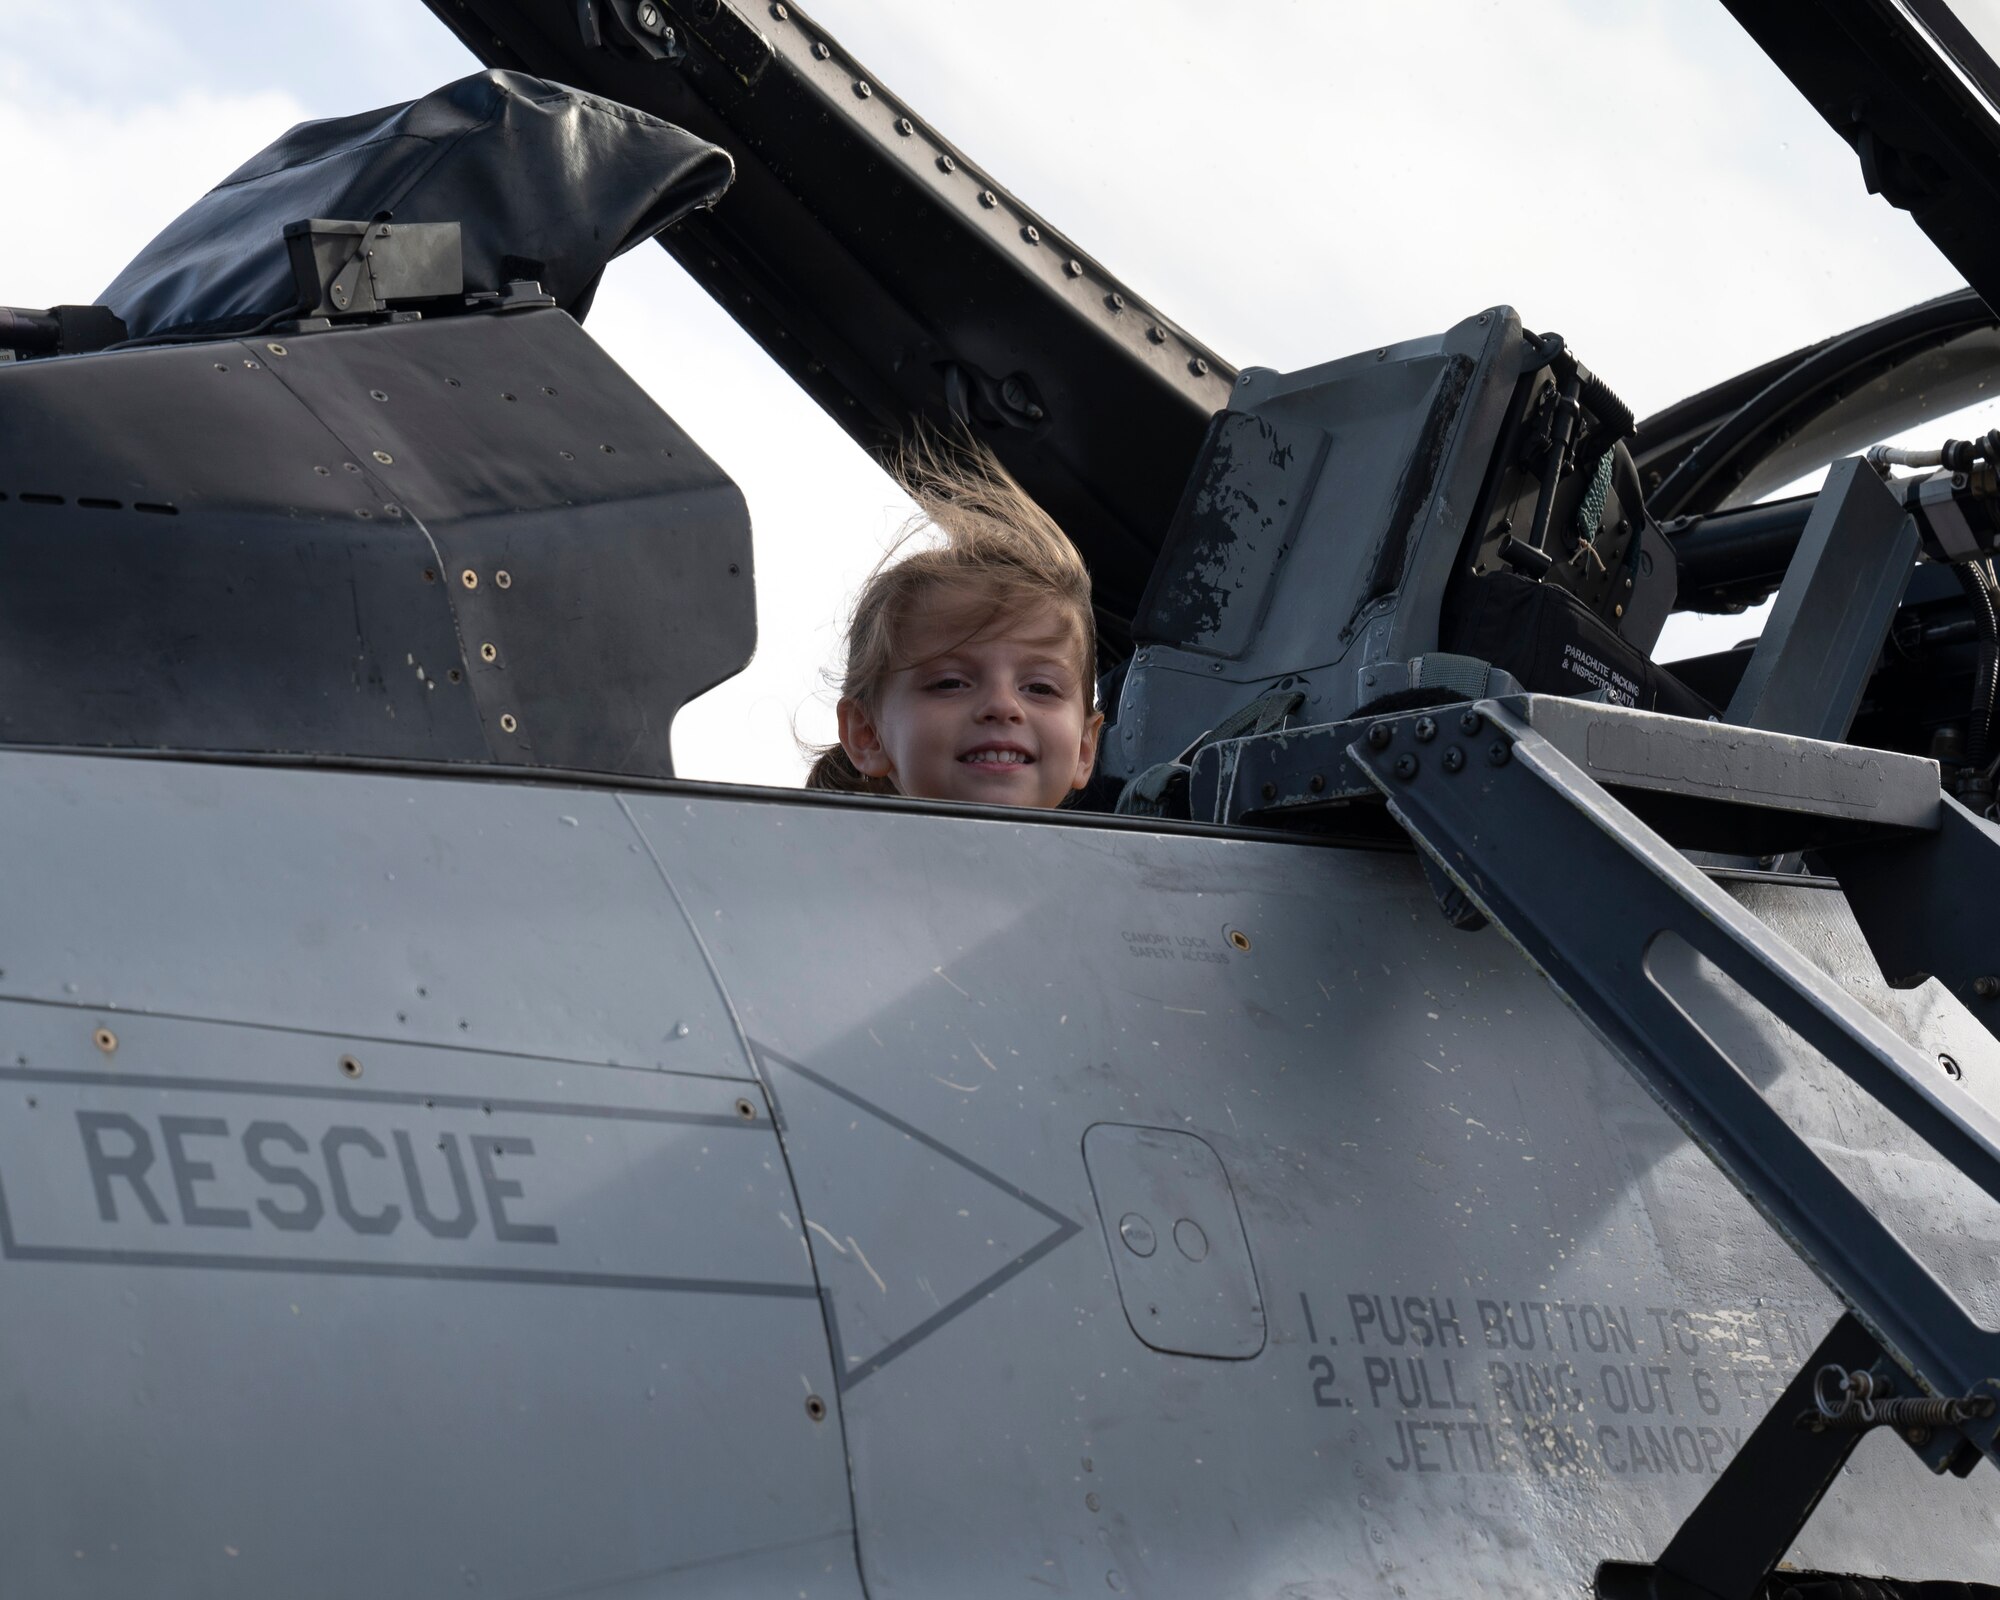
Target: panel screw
{"points": [[1115, 301], [905, 126], [1405, 766], [277, 349], [1317, 784], [488, 653], [385, 458], [815, 1408], [349, 1067], [863, 88], [1454, 758], [746, 1110], [1470, 722], [377, 394], [469, 578], [1073, 267], [1499, 753], [1270, 791], [1238, 939], [504, 578], [781, 14], [1157, 334], [1951, 1067], [651, 18], [946, 164], [988, 199], [1032, 234], [507, 722], [1986, 988], [1426, 729], [823, 50], [1379, 735], [1198, 367], [105, 1040]]}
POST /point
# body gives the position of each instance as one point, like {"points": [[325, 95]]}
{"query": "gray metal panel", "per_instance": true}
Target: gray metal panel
{"points": [[1926, 903], [1176, 1241], [1463, 1214], [260, 1361], [1847, 576], [435, 911]]}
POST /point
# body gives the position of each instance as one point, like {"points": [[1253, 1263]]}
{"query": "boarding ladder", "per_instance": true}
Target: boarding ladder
{"points": [[1565, 824]]}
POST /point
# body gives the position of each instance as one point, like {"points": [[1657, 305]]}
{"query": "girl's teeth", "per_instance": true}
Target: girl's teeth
{"points": [[999, 757]]}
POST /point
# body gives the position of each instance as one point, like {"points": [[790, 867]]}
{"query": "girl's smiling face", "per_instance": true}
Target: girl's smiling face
{"points": [[999, 714]]}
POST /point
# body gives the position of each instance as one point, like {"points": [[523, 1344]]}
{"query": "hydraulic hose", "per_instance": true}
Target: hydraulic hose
{"points": [[1978, 584]]}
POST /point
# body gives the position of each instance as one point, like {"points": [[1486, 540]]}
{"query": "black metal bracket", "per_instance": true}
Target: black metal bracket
{"points": [[1752, 1514], [1924, 905], [58, 331], [346, 268]]}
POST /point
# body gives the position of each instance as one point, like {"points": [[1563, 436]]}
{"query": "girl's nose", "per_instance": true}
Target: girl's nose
{"points": [[1000, 703]]}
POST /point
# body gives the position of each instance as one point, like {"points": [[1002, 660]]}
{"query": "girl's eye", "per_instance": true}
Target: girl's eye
{"points": [[948, 681]]}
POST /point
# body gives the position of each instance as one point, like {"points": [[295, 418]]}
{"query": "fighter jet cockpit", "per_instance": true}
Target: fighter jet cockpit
{"points": [[476, 540], [1463, 1104]]}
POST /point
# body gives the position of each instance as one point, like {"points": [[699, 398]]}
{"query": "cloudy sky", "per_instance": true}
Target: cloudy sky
{"points": [[1292, 180]]}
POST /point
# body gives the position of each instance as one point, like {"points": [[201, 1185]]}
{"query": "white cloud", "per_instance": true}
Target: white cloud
{"points": [[100, 183]]}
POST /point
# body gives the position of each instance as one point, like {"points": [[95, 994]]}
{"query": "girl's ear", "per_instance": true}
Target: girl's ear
{"points": [[1086, 756], [861, 741]]}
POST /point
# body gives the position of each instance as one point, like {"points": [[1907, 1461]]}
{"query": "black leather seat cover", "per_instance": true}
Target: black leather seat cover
{"points": [[549, 176]]}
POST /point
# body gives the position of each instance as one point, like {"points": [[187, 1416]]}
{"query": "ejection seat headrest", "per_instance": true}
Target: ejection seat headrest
{"points": [[544, 181]]}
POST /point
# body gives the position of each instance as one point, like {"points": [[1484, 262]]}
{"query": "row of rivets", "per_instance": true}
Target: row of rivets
{"points": [[1425, 729], [1072, 267]]}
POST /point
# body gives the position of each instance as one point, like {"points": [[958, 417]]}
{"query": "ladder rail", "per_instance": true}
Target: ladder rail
{"points": [[1792, 988], [1588, 905]]}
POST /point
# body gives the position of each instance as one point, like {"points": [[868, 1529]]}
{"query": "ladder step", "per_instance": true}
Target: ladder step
{"points": [[1700, 785]]}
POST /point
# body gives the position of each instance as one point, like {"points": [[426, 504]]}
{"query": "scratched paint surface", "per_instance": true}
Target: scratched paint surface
{"points": [[305, 1289], [1516, 1323], [539, 1293]]}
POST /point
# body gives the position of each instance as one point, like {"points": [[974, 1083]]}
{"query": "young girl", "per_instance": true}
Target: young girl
{"points": [[969, 672]]}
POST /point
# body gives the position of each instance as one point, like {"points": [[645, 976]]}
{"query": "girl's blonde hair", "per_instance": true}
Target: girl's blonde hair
{"points": [[1000, 549]]}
